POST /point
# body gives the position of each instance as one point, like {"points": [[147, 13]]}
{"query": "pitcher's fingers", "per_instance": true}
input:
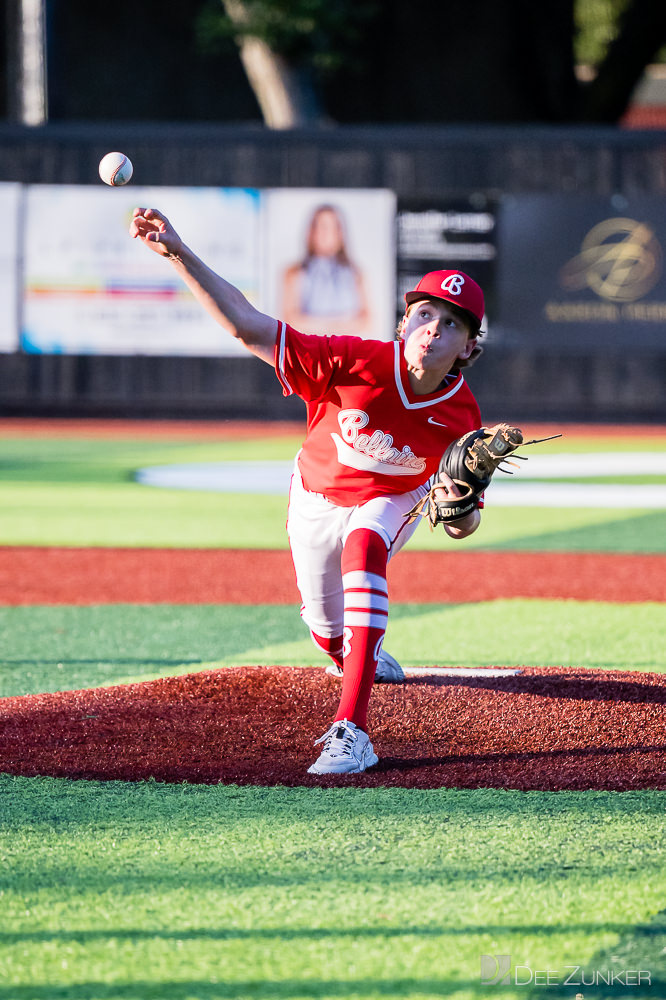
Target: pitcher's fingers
{"points": [[447, 483], [154, 215], [139, 226]]}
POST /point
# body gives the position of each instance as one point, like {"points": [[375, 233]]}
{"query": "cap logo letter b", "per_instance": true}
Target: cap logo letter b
{"points": [[453, 284]]}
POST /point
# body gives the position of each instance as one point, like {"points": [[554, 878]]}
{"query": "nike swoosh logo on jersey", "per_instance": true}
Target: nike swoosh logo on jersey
{"points": [[431, 420]]}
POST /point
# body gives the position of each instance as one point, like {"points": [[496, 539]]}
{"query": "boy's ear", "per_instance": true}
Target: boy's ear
{"points": [[401, 327], [468, 349]]}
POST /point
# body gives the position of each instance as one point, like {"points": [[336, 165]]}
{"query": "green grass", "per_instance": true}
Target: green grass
{"points": [[181, 891], [137, 516], [552, 529], [92, 459], [105, 460], [65, 648], [80, 492]]}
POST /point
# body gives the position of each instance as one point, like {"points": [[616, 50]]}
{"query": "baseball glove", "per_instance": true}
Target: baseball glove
{"points": [[470, 462]]}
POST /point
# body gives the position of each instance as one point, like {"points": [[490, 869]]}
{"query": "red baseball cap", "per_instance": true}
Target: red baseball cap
{"points": [[454, 286]]}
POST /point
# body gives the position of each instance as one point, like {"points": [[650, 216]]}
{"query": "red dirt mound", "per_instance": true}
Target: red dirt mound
{"points": [[551, 728]]}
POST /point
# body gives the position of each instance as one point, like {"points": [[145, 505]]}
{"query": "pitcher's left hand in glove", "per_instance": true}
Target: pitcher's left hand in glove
{"points": [[470, 462]]}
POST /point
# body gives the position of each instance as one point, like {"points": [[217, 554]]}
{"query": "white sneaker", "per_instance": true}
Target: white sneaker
{"points": [[388, 670], [347, 750]]}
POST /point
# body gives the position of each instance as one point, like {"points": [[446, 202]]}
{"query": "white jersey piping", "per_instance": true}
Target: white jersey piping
{"points": [[282, 335], [458, 384]]}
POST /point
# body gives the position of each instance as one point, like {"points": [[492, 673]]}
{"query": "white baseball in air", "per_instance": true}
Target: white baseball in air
{"points": [[115, 169]]}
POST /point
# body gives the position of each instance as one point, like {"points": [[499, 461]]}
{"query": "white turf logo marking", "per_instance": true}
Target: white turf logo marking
{"points": [[520, 490]]}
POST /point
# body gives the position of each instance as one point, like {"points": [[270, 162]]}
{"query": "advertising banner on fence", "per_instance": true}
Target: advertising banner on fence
{"points": [[322, 259], [90, 289], [10, 195], [435, 234], [581, 272]]}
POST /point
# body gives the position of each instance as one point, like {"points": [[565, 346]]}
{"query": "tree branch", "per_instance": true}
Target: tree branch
{"points": [[642, 33], [284, 98]]}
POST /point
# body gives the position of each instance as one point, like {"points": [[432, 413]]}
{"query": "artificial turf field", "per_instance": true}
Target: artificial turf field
{"points": [[155, 890]]}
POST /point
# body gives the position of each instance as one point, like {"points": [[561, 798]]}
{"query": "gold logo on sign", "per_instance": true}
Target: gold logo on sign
{"points": [[620, 260]]}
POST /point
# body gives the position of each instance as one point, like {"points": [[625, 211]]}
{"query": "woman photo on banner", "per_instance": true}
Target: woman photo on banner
{"points": [[324, 292]]}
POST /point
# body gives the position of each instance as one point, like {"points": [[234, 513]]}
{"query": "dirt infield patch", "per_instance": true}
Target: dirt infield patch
{"points": [[554, 728], [225, 430], [142, 430], [51, 575]]}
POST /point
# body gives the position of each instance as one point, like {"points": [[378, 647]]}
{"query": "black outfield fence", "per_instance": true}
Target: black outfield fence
{"points": [[611, 368]]}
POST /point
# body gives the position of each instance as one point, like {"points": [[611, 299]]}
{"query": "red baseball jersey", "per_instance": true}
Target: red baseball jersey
{"points": [[368, 434]]}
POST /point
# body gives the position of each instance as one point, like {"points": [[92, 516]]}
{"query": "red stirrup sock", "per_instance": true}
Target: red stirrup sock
{"points": [[331, 645], [364, 560]]}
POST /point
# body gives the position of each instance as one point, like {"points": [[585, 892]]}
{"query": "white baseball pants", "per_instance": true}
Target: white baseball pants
{"points": [[317, 532]]}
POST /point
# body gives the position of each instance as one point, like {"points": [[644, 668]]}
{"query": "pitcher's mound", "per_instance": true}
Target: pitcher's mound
{"points": [[552, 728]]}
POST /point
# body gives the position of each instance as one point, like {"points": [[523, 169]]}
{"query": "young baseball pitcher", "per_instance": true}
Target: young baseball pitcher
{"points": [[379, 418]]}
